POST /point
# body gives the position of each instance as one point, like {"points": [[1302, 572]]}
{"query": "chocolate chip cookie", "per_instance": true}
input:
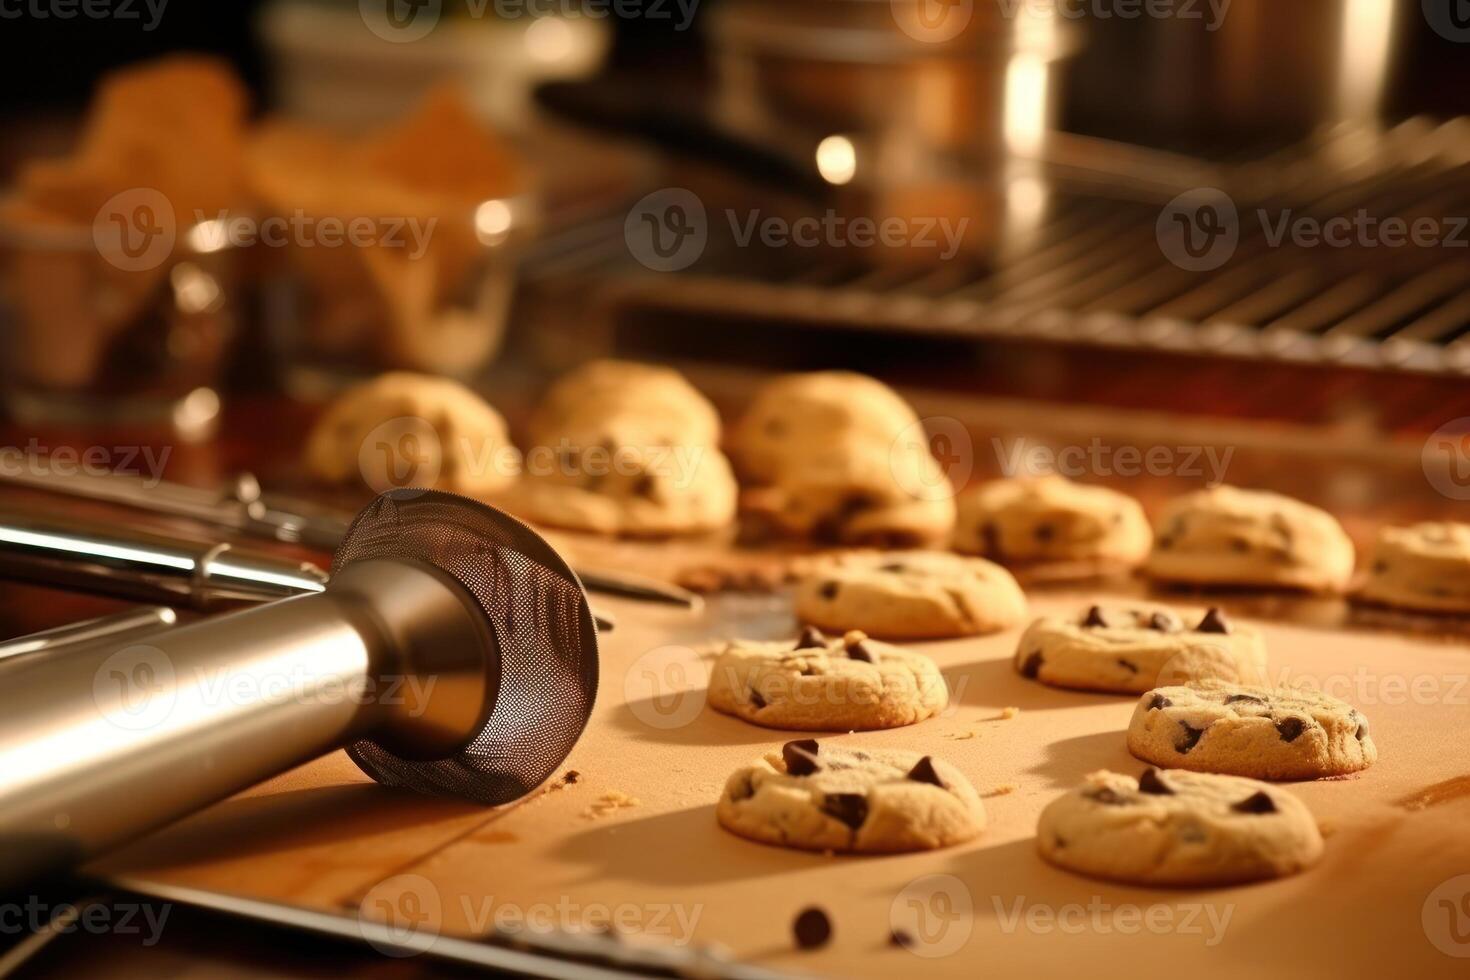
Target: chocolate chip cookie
{"points": [[1178, 828], [1228, 536], [1049, 519], [1425, 567], [1259, 732], [840, 458], [606, 388], [822, 684], [823, 797], [1128, 649], [911, 595], [415, 430]]}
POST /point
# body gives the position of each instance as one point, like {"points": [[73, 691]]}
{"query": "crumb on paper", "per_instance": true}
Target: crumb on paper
{"points": [[959, 736], [609, 803], [1006, 714], [571, 777], [1004, 789]]}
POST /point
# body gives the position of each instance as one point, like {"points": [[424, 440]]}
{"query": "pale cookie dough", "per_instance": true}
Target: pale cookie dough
{"points": [[1228, 536], [1178, 828], [911, 595], [609, 387], [1050, 518], [841, 458], [412, 430], [1424, 567], [822, 797], [850, 683], [1258, 732], [1129, 649]]}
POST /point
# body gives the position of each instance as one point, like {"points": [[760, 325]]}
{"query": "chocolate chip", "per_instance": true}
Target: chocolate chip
{"points": [[1158, 702], [1214, 622], [756, 699], [1362, 728], [1379, 567], [923, 772], [1255, 803], [1045, 533], [742, 790], [1106, 797], [812, 928], [1164, 622], [1150, 783], [901, 939], [811, 638], [1164, 543], [829, 590], [571, 777], [1290, 729], [800, 757], [1188, 738], [849, 808], [1240, 545], [1238, 698], [893, 567], [860, 651], [1095, 617], [990, 536], [645, 486], [1032, 666], [1128, 665]]}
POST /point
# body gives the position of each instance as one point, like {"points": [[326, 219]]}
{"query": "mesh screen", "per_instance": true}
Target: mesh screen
{"points": [[539, 615]]}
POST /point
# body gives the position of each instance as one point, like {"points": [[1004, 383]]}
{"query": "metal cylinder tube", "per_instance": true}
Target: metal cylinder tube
{"points": [[104, 743]]}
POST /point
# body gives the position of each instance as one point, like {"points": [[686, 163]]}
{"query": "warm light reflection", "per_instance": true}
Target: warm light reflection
{"points": [[837, 160], [549, 40], [493, 221], [1366, 41], [1027, 98]]}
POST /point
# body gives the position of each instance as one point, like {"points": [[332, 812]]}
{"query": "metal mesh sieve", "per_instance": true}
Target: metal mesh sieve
{"points": [[538, 613]]}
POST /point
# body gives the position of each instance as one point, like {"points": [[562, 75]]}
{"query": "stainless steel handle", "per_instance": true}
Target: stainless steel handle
{"points": [[111, 741], [145, 566], [129, 623]]}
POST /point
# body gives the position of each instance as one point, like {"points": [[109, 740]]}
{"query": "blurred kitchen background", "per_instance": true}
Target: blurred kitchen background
{"points": [[1061, 133]]}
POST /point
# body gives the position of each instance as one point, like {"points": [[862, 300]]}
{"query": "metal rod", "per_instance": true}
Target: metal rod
{"points": [[116, 627]]}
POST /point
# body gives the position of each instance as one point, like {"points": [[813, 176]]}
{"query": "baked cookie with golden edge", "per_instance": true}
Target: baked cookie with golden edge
{"points": [[1425, 567], [608, 387], [817, 796], [821, 684], [1129, 649], [1231, 537], [911, 596], [1259, 732], [412, 430], [1178, 828], [1051, 519]]}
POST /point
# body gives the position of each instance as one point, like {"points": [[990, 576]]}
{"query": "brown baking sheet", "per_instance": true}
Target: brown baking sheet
{"points": [[324, 836]]}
